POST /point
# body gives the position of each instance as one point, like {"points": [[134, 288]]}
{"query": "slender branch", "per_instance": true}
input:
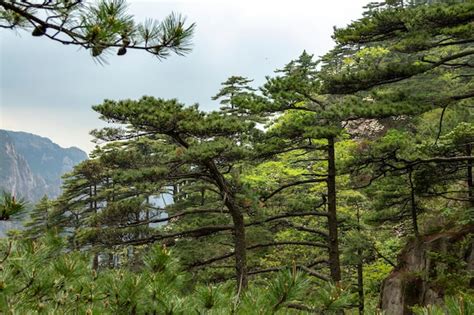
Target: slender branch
{"points": [[199, 232], [401, 77], [30, 282], [383, 257], [281, 188], [440, 127], [315, 273], [76, 38], [7, 252], [324, 234], [263, 245], [286, 150], [174, 216]]}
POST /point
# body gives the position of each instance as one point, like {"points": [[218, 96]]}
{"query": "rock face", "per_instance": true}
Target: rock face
{"points": [[425, 267], [373, 128], [31, 166]]}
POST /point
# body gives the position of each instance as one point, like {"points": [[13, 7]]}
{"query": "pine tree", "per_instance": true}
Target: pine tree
{"points": [[405, 171], [40, 222], [306, 120], [233, 88], [400, 43], [403, 60], [188, 145], [100, 26]]}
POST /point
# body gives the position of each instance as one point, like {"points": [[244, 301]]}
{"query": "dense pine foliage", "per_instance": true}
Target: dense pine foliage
{"points": [[295, 197]]}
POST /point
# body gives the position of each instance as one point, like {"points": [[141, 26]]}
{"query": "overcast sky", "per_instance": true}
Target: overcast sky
{"points": [[48, 89]]}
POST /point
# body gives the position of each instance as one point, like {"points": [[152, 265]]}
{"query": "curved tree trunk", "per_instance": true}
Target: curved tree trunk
{"points": [[240, 245]]}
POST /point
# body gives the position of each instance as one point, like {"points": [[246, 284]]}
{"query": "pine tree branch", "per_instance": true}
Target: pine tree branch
{"points": [[276, 269], [438, 160], [440, 126], [297, 183], [304, 308], [198, 232], [198, 264], [171, 217], [391, 77], [323, 234], [383, 257], [286, 150], [289, 215], [314, 273], [176, 42], [7, 252], [27, 285]]}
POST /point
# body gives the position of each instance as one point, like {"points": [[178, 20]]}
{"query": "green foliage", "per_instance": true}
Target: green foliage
{"points": [[234, 89], [10, 206], [39, 276], [331, 299], [286, 287], [101, 26], [40, 221], [453, 305], [405, 36], [247, 202]]}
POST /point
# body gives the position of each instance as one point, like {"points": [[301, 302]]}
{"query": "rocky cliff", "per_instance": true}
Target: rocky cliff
{"points": [[31, 166], [428, 269]]}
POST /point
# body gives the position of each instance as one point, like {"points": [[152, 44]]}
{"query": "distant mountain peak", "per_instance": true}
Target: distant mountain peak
{"points": [[31, 166]]}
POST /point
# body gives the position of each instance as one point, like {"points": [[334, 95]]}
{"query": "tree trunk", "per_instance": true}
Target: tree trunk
{"points": [[413, 205], [470, 185], [228, 198], [95, 261], [91, 201], [334, 264], [360, 284], [360, 271], [95, 198], [175, 193], [240, 252], [203, 196], [240, 245]]}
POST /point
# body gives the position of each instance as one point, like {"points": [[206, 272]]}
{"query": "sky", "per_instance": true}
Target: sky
{"points": [[48, 89]]}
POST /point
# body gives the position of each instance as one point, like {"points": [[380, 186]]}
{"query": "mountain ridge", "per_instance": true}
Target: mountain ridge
{"points": [[26, 133], [31, 166]]}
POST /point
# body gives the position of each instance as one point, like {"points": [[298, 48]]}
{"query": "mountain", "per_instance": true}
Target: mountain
{"points": [[31, 166]]}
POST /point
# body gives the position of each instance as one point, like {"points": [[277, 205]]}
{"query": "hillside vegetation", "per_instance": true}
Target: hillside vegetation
{"points": [[341, 185]]}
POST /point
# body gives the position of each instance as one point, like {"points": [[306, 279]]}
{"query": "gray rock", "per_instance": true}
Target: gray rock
{"points": [[413, 281], [31, 166]]}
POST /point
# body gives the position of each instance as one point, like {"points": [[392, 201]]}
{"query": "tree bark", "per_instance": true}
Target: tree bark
{"points": [[175, 193], [470, 185], [95, 261], [360, 272], [230, 202], [413, 205], [334, 263], [240, 252], [239, 227], [360, 284]]}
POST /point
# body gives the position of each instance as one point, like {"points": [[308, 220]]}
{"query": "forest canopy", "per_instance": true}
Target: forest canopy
{"points": [[312, 193]]}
